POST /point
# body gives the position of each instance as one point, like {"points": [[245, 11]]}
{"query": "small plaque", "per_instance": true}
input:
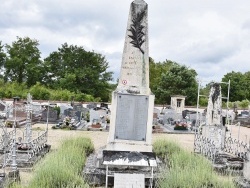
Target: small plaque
{"points": [[129, 180]]}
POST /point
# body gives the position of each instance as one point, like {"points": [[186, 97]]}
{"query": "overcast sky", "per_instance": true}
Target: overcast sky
{"points": [[210, 36]]}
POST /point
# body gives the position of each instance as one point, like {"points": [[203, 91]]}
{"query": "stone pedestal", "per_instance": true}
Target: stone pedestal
{"points": [[246, 169], [132, 101], [131, 122], [244, 181], [129, 145], [216, 134]]}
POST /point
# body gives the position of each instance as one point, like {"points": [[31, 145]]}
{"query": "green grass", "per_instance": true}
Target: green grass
{"points": [[63, 167], [186, 170]]}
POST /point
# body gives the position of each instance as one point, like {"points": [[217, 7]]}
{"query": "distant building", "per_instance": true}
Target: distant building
{"points": [[178, 103]]}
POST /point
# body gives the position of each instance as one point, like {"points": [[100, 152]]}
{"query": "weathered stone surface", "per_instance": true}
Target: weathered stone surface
{"points": [[131, 118], [131, 111], [132, 101], [134, 74], [213, 116], [52, 115], [246, 170]]}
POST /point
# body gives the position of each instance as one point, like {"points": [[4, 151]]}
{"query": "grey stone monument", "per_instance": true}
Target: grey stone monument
{"points": [[128, 154], [214, 128], [132, 101]]}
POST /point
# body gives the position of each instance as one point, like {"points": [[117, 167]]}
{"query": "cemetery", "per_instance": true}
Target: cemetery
{"points": [[131, 142]]}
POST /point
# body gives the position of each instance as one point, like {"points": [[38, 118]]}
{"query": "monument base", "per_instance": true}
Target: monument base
{"points": [[127, 145], [242, 182], [217, 135], [101, 168]]}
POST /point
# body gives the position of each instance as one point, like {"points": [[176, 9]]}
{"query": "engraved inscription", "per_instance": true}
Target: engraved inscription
{"points": [[131, 118]]}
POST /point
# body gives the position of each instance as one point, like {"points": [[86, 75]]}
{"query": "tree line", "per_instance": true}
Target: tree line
{"points": [[70, 68], [72, 72]]}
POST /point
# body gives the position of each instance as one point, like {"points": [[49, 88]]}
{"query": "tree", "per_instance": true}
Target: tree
{"points": [[155, 72], [247, 85], [77, 70], [23, 62], [179, 80], [239, 86]]}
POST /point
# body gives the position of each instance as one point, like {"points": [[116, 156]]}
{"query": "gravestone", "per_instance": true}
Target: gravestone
{"points": [[2, 106], [78, 115], [214, 128], [94, 116], [20, 110], [132, 101], [78, 107], [36, 108], [85, 111], [69, 112], [52, 115], [63, 107], [91, 105]]}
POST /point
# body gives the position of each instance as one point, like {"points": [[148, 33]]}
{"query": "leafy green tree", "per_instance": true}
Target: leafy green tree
{"points": [[77, 70], [239, 87], [23, 62], [155, 72], [179, 80], [203, 101], [247, 85]]}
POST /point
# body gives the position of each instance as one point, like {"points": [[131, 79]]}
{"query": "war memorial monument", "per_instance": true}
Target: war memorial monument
{"points": [[128, 154]]}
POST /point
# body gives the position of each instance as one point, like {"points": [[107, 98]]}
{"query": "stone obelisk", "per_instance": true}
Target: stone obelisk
{"points": [[132, 101]]}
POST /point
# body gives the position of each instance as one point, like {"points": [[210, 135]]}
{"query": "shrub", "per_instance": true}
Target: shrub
{"points": [[62, 168], [244, 104], [39, 91], [184, 169]]}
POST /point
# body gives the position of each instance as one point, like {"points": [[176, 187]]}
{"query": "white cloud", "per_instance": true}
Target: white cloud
{"points": [[209, 36]]}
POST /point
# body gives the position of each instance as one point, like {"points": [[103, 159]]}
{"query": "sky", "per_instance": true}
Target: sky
{"points": [[210, 36]]}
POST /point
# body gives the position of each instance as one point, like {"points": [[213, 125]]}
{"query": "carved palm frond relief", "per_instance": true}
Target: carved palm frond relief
{"points": [[136, 30]]}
